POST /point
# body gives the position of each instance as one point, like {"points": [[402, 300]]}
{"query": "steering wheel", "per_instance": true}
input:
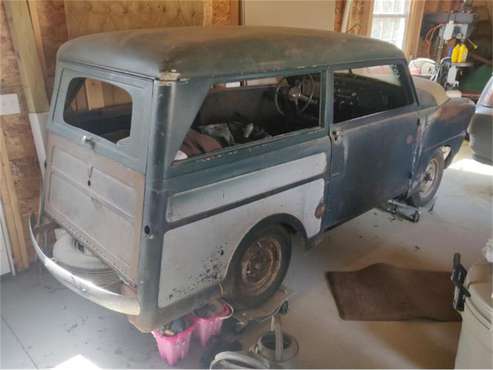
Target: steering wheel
{"points": [[294, 94]]}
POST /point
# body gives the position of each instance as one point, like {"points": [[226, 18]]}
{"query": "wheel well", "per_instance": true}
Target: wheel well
{"points": [[298, 236], [291, 224]]}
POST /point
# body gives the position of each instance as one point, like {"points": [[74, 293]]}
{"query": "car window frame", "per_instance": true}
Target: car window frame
{"points": [[408, 85], [140, 90], [259, 147]]}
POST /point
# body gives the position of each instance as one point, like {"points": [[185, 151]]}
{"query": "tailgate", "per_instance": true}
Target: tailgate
{"points": [[98, 200]]}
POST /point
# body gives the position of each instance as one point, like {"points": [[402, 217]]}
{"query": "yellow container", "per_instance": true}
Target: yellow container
{"points": [[463, 51], [455, 54]]}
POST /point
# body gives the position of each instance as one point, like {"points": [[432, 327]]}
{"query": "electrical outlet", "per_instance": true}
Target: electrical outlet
{"points": [[9, 104]]}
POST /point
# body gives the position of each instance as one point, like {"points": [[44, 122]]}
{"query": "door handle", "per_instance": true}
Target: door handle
{"points": [[88, 140], [337, 135]]}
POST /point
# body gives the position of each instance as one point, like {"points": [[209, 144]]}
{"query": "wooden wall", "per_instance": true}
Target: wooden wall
{"points": [[56, 21], [359, 18], [50, 29], [19, 172], [94, 16]]}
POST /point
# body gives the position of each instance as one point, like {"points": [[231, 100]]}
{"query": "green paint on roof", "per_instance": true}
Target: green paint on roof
{"points": [[221, 51]]}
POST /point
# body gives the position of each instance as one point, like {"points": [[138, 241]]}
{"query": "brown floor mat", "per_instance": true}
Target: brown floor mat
{"points": [[382, 292]]}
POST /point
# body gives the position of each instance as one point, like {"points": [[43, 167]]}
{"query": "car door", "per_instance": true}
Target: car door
{"points": [[373, 133], [94, 183]]}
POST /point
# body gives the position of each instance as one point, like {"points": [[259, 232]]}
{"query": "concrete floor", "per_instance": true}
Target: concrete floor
{"points": [[45, 325]]}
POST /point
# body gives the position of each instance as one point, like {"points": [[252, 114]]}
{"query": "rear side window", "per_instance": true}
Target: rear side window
{"points": [[252, 110], [363, 91], [98, 107]]}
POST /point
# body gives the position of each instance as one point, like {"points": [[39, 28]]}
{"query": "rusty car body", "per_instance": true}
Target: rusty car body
{"points": [[309, 129]]}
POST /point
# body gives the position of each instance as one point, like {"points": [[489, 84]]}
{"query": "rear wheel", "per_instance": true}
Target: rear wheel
{"points": [[430, 181], [259, 266]]}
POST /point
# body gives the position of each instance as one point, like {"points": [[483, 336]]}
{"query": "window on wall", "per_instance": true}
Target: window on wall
{"points": [[247, 111], [363, 91], [389, 20]]}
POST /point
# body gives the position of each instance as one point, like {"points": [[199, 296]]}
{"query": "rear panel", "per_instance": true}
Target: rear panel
{"points": [[96, 158], [98, 200]]}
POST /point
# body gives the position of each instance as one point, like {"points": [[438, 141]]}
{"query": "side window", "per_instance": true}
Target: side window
{"points": [[245, 111], [359, 92], [98, 107]]}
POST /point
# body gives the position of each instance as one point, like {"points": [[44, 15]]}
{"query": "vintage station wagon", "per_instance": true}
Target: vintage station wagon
{"points": [[189, 160]]}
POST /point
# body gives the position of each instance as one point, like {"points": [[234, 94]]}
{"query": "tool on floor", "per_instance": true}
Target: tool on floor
{"points": [[273, 349], [458, 278], [276, 346], [402, 210]]}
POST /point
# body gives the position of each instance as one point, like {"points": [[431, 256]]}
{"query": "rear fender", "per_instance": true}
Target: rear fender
{"points": [[444, 127]]}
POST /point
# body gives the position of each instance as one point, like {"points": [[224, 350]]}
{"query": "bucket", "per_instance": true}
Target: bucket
{"points": [[210, 325], [175, 347]]}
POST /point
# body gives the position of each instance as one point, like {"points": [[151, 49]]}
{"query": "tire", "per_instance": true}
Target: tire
{"points": [[430, 182], [259, 266]]}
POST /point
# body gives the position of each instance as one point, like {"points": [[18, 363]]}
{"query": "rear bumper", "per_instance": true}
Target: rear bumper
{"points": [[106, 298]]}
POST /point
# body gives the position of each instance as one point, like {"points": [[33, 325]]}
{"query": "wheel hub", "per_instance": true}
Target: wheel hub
{"points": [[429, 178], [259, 266]]}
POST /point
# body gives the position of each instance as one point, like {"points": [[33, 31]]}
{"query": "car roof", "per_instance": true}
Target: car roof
{"points": [[190, 52]]}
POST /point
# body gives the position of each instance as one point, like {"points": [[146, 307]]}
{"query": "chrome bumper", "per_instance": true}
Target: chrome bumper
{"points": [[103, 297]]}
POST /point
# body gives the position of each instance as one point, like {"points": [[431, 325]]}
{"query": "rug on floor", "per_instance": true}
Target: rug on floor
{"points": [[382, 292]]}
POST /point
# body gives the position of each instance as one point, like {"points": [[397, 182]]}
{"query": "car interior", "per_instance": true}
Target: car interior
{"points": [[356, 95], [250, 110]]}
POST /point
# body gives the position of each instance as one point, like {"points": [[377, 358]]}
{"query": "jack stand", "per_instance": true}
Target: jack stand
{"points": [[273, 349], [402, 210], [278, 304]]}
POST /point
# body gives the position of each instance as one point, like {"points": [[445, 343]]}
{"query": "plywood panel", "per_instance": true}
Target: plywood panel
{"points": [[339, 12], [225, 12], [19, 171], [359, 17], [87, 17], [50, 29], [23, 40], [413, 28]]}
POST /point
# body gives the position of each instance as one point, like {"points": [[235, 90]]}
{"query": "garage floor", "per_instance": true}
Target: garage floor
{"points": [[45, 325]]}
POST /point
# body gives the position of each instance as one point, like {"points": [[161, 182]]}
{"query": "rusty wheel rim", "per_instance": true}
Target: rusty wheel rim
{"points": [[429, 178], [260, 266]]}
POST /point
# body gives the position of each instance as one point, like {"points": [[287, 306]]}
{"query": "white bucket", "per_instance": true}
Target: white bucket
{"points": [[475, 348]]}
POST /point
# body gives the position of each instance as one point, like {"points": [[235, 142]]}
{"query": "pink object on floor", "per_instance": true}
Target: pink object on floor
{"points": [[206, 327], [174, 348]]}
